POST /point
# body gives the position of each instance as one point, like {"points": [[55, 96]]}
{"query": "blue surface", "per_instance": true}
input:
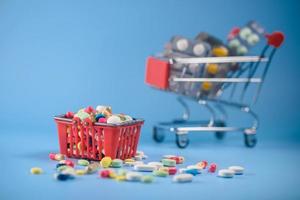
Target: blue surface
{"points": [[57, 56]]}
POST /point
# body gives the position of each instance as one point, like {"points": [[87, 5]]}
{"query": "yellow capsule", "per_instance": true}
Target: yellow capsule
{"points": [[220, 51], [112, 174], [80, 172], [129, 160], [105, 162], [206, 86], [212, 68], [36, 170], [120, 178], [164, 169]]}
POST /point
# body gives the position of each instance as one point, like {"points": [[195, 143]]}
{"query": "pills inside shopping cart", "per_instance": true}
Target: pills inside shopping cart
{"points": [[183, 178], [238, 170], [114, 119]]}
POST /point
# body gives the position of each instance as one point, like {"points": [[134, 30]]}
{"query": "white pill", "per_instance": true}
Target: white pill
{"points": [[144, 168], [198, 49], [138, 163], [156, 164], [169, 156], [114, 119], [128, 118], [194, 167], [133, 176], [182, 44], [101, 108], [182, 170], [238, 170], [183, 178], [226, 173]]}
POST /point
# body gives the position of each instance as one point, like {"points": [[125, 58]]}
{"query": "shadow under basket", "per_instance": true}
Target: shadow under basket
{"points": [[93, 141]]}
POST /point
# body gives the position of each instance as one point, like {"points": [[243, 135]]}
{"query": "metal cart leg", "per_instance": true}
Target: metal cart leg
{"points": [[158, 135], [182, 139]]}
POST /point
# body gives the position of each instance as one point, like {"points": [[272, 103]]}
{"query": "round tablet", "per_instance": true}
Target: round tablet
{"points": [[182, 44], [199, 49], [226, 173], [238, 170]]}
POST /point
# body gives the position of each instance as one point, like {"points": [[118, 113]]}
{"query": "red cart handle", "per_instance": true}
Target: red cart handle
{"points": [[275, 39]]}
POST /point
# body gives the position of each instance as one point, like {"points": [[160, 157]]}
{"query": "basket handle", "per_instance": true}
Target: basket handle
{"points": [[275, 39]]}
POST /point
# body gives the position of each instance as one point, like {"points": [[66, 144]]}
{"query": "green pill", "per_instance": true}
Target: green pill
{"points": [[83, 162], [147, 179], [160, 173], [169, 162], [116, 163]]}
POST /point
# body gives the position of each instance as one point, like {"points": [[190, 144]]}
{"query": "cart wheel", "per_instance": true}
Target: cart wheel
{"points": [[220, 134], [182, 140], [158, 136], [250, 140]]}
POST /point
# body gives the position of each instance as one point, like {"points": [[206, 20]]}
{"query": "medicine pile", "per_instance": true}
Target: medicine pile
{"points": [[136, 169], [102, 114]]}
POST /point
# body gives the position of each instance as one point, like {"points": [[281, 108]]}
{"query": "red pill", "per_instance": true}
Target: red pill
{"points": [[212, 168], [172, 170], [102, 120], [204, 164], [69, 163], [52, 156], [104, 173], [176, 158], [89, 109], [69, 115]]}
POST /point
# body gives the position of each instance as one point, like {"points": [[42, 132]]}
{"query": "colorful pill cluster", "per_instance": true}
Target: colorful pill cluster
{"points": [[135, 169], [102, 114]]}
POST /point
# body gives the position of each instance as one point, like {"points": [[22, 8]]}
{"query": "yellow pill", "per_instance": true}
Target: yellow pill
{"points": [[120, 178], [220, 51], [105, 162], [212, 68], [36, 170], [112, 174], [206, 86], [59, 157], [80, 172], [164, 169], [129, 160]]}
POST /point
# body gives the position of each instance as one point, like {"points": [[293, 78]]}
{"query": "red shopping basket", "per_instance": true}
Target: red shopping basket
{"points": [[93, 141]]}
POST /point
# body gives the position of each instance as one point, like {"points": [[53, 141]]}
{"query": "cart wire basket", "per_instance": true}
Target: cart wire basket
{"points": [[93, 141], [251, 70]]}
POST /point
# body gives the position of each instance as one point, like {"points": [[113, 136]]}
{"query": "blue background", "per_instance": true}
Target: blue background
{"points": [[57, 56]]}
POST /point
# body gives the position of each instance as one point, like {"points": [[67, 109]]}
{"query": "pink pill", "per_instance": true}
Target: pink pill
{"points": [[104, 173], [69, 163], [89, 109], [69, 115], [102, 120], [52, 156]]}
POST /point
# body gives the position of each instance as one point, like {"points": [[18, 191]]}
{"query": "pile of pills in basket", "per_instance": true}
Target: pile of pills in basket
{"points": [[135, 169], [102, 114]]}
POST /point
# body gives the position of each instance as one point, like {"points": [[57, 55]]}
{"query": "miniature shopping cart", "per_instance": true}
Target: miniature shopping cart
{"points": [[251, 70]]}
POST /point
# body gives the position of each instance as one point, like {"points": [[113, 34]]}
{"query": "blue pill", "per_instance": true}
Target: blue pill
{"points": [[194, 172], [61, 176], [59, 165], [98, 116]]}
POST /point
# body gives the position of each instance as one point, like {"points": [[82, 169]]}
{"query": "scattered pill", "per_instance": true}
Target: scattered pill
{"points": [[172, 170], [59, 165], [212, 168], [202, 164], [133, 176], [160, 173], [92, 167], [183, 178], [70, 163], [83, 162], [120, 178], [122, 172], [144, 168], [59, 157], [117, 163], [80, 172], [62, 176], [105, 162], [156, 164], [169, 162], [112, 174], [147, 179], [36, 170], [238, 170], [226, 173], [61, 168], [52, 156], [197, 167], [104, 173]]}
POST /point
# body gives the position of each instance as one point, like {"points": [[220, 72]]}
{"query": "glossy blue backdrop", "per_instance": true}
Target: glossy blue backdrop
{"points": [[57, 56]]}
